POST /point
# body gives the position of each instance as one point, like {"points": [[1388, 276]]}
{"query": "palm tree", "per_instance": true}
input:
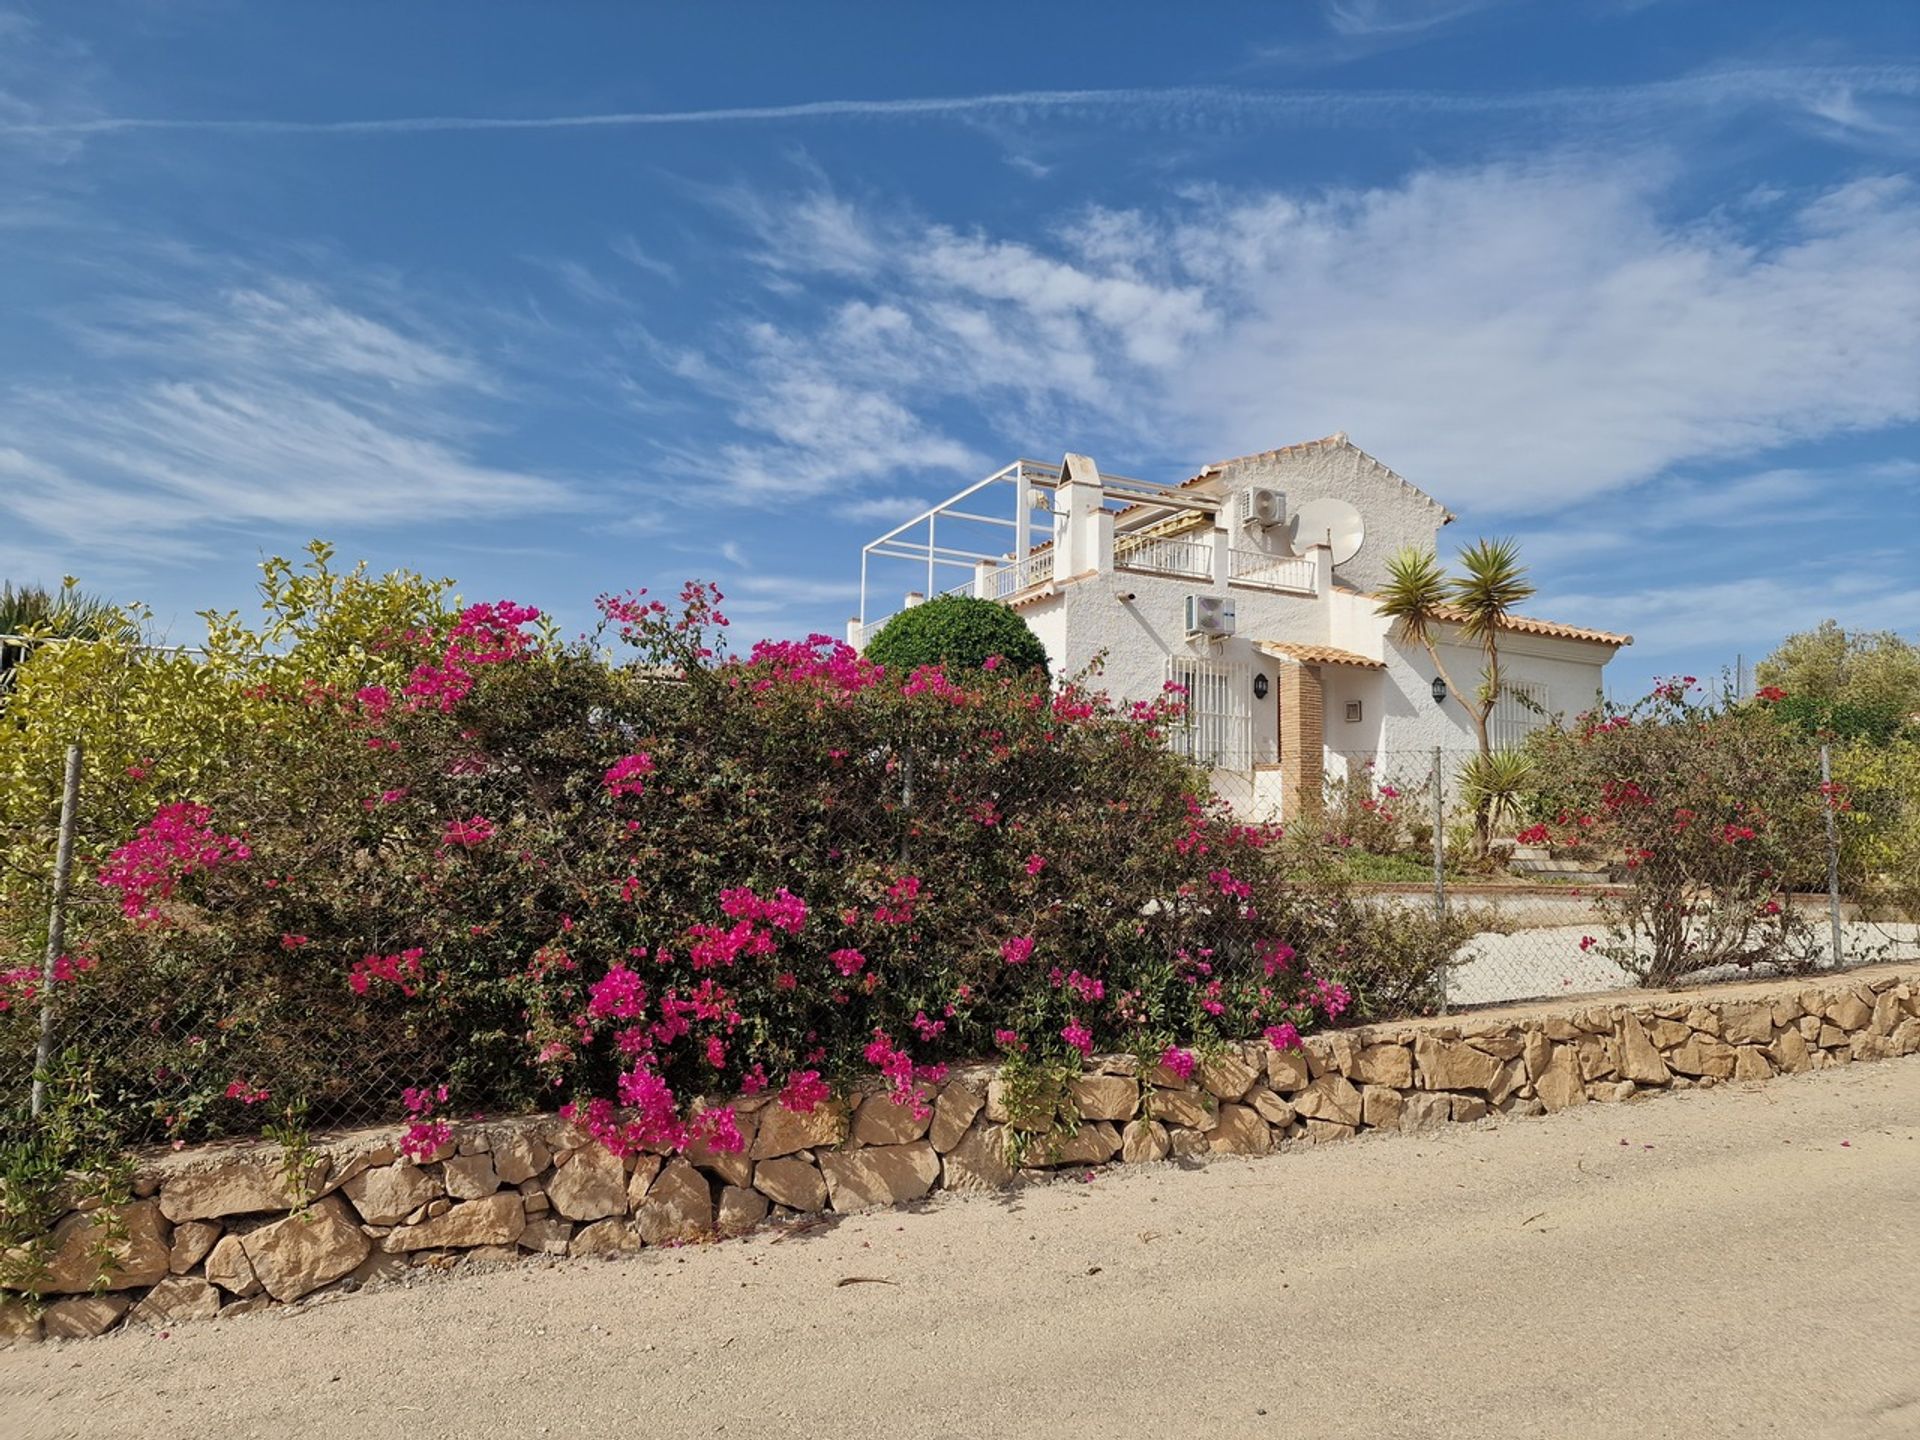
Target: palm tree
{"points": [[1481, 600], [33, 612]]}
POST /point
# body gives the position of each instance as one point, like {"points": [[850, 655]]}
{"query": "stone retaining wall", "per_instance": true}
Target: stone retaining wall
{"points": [[215, 1231]]}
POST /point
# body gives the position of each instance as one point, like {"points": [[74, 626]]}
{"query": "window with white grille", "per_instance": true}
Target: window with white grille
{"points": [[1218, 727], [1520, 710]]}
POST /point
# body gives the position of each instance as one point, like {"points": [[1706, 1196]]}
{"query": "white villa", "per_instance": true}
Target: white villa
{"points": [[1252, 584]]}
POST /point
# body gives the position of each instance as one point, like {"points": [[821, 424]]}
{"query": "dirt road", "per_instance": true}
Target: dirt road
{"points": [[1733, 1262]]}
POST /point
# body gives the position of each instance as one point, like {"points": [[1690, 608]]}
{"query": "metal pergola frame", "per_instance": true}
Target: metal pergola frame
{"points": [[1033, 482]]}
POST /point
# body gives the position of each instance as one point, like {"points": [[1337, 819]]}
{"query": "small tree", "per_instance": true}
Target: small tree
{"points": [[957, 632], [1420, 595], [1711, 808]]}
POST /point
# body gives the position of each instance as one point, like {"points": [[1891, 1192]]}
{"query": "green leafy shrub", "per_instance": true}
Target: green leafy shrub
{"points": [[376, 855], [957, 632], [1712, 810]]}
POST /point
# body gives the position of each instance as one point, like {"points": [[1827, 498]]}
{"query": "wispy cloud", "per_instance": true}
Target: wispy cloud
{"points": [[1734, 89], [1518, 339], [261, 407]]}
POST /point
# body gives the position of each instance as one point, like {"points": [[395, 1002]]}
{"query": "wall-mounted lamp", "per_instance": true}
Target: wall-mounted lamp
{"points": [[1439, 691], [1259, 687]]}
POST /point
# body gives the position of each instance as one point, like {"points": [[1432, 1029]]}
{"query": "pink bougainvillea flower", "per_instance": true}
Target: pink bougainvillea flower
{"points": [[1078, 1036], [1035, 864], [1282, 1037], [467, 833], [1017, 950], [1177, 1061], [804, 1093], [177, 842], [626, 776]]}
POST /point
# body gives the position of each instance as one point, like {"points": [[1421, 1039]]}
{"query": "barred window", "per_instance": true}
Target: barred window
{"points": [[1520, 710], [1218, 726]]}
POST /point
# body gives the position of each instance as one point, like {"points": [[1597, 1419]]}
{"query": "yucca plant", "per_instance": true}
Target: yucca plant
{"points": [[1497, 784], [33, 612], [1420, 596]]}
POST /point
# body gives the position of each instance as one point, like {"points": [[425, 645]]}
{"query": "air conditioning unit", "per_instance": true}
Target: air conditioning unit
{"points": [[1262, 509], [1210, 616]]}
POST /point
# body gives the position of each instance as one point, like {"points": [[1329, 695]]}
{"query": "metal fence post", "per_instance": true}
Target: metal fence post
{"points": [[1440, 862], [1833, 851], [56, 923]]}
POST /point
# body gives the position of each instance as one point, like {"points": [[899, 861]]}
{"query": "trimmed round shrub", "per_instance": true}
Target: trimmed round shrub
{"points": [[955, 632]]}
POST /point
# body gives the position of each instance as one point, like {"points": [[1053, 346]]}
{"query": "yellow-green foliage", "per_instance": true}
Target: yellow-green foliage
{"points": [[157, 725], [1879, 796]]}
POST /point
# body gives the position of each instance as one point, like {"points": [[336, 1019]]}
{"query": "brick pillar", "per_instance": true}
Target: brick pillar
{"points": [[1302, 741]]}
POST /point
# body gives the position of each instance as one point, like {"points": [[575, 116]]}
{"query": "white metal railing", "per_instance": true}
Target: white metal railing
{"points": [[1163, 555], [1010, 580], [1272, 572]]}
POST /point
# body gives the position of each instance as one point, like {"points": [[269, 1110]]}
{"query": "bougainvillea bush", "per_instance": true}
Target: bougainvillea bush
{"points": [[491, 869], [1713, 812]]}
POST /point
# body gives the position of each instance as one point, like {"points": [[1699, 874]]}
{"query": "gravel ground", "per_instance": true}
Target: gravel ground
{"points": [[1727, 1262]]}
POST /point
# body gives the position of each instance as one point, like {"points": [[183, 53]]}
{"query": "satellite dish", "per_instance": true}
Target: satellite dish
{"points": [[1329, 522]]}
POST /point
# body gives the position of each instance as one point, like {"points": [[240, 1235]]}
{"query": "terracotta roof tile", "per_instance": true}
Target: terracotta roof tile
{"points": [[1318, 654], [1554, 629]]}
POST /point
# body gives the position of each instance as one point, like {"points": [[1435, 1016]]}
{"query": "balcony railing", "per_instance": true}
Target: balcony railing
{"points": [[1161, 555], [1010, 580], [1271, 572]]}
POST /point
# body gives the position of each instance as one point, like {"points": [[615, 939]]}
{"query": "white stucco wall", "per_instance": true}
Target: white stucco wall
{"points": [[1395, 513]]}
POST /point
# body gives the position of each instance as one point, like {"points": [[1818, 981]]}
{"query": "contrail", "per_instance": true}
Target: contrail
{"points": [[1736, 88]]}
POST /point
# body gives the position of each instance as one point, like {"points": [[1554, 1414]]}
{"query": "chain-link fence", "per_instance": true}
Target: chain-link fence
{"points": [[1429, 879], [1555, 916]]}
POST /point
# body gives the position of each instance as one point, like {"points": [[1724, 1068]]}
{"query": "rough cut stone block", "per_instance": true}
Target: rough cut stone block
{"points": [[1750, 1063], [1189, 1108], [1105, 1097], [1322, 1131], [679, 1205], [740, 1209], [18, 1324], [234, 1186], [645, 1169], [782, 1132], [1746, 1024], [1639, 1058], [518, 1157], [879, 1121], [879, 1175], [1381, 1106], [1848, 1011], [590, 1186], [229, 1268], [1445, 1065], [471, 1177], [1239, 1131], [387, 1194], [175, 1299], [297, 1255], [1287, 1070], [192, 1239], [979, 1161], [1387, 1065], [733, 1166], [1468, 1107], [793, 1183], [1273, 1109], [605, 1237], [139, 1256], [496, 1220], [84, 1317], [1093, 1143], [1332, 1097], [1789, 1051], [1225, 1077], [953, 1112], [1145, 1140], [1422, 1110], [1561, 1084], [546, 1235]]}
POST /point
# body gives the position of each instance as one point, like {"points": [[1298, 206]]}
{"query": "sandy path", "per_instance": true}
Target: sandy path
{"points": [[1733, 1269]]}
